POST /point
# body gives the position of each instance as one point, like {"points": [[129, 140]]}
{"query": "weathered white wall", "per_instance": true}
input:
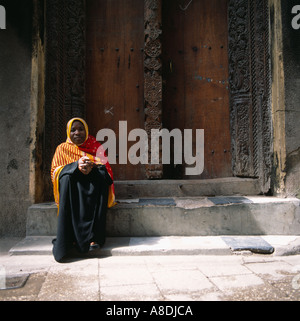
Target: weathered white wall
{"points": [[15, 83], [291, 59]]}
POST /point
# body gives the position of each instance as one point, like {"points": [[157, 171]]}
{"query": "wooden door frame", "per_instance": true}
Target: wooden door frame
{"points": [[249, 81]]}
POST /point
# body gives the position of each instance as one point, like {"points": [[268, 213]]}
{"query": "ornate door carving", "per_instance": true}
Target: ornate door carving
{"points": [[249, 80], [65, 74], [152, 76]]}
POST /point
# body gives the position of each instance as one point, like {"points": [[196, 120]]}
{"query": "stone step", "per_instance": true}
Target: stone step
{"points": [[186, 188], [173, 245], [186, 216]]}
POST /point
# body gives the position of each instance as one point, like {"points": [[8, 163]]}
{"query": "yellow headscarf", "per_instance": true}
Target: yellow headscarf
{"points": [[69, 126]]}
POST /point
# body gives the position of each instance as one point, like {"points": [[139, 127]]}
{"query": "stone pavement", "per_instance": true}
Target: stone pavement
{"points": [[242, 276]]}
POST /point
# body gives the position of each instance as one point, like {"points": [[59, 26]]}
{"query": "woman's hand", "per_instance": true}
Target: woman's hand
{"points": [[85, 165]]}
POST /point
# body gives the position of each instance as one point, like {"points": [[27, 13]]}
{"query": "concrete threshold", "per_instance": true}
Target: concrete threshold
{"points": [[186, 187], [165, 245]]}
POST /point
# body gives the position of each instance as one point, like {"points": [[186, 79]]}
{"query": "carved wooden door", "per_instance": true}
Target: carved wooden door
{"points": [[114, 71], [95, 69], [195, 79]]}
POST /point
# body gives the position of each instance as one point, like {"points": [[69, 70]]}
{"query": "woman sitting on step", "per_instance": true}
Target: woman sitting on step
{"points": [[83, 189]]}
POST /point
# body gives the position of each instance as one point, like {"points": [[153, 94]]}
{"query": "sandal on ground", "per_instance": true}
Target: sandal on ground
{"points": [[94, 246]]}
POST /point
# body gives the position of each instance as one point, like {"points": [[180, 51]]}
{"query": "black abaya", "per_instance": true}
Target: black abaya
{"points": [[82, 209]]}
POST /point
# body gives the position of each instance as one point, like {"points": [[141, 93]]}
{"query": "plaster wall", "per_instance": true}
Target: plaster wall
{"points": [[291, 58], [15, 95]]}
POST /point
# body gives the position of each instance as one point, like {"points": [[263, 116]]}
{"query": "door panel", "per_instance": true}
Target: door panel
{"points": [[114, 71], [195, 74]]}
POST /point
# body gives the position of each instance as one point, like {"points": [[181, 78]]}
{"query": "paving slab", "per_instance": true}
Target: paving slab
{"points": [[184, 281], [136, 292], [28, 292], [124, 274], [255, 244], [211, 269], [236, 281], [271, 270], [78, 280]]}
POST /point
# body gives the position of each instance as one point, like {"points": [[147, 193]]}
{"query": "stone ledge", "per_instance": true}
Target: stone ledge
{"points": [[186, 217], [170, 245], [187, 188]]}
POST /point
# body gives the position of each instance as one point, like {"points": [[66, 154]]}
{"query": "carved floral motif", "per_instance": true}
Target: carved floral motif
{"points": [[249, 80], [152, 76], [65, 72]]}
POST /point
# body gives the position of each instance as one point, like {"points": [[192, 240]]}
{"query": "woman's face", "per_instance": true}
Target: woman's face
{"points": [[77, 133]]}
